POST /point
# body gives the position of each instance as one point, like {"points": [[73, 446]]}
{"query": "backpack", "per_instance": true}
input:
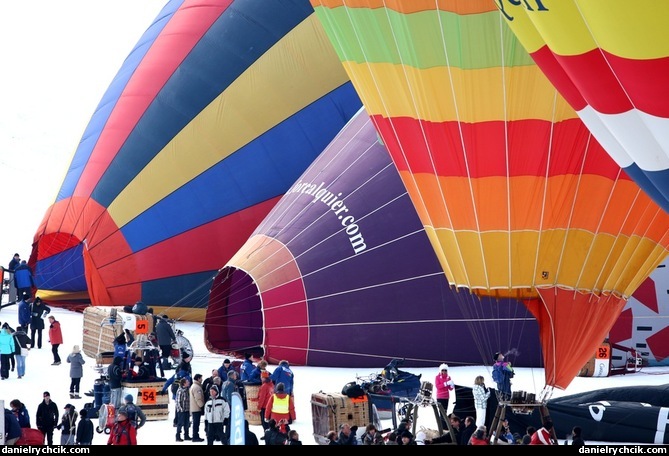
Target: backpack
{"points": [[131, 410], [497, 376]]}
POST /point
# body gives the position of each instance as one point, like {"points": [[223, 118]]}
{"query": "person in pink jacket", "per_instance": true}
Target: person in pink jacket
{"points": [[55, 338], [444, 385]]}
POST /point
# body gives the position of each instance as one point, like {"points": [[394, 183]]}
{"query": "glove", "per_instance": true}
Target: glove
{"points": [[162, 393], [354, 429]]}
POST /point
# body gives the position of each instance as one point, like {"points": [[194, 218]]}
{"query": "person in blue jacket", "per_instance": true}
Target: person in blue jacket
{"points": [[24, 312], [246, 368], [21, 412], [23, 279], [12, 428], [283, 374]]}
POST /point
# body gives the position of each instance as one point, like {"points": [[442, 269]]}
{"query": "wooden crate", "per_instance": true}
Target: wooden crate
{"points": [[155, 406], [98, 338], [330, 410], [252, 412]]}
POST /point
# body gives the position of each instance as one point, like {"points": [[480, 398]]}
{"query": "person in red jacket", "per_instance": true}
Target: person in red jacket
{"points": [[544, 436], [55, 338], [280, 405], [123, 432], [264, 394]]}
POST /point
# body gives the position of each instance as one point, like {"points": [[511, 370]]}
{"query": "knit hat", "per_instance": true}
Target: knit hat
{"points": [[128, 398], [443, 367], [226, 361], [76, 349], [214, 388], [495, 356], [280, 388]]}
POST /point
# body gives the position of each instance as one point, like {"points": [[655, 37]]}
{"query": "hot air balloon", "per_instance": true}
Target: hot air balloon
{"points": [[610, 60], [342, 273], [517, 197], [217, 110]]}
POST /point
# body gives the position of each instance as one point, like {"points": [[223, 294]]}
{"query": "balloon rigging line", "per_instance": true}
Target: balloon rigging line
{"points": [[505, 103]]}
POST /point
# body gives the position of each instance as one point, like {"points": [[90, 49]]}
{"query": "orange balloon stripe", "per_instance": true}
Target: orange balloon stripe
{"points": [[589, 202]]}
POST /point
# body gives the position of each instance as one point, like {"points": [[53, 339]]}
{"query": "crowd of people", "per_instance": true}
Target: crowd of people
{"points": [[202, 406]]}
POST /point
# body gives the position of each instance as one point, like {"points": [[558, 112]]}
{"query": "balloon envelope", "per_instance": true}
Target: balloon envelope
{"points": [[341, 273], [609, 59], [517, 197], [217, 110]]}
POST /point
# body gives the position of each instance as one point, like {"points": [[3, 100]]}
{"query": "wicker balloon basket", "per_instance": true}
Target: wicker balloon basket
{"points": [[252, 412]]}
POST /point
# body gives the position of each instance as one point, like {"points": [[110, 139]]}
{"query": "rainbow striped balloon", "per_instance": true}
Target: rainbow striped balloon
{"points": [[517, 196]]}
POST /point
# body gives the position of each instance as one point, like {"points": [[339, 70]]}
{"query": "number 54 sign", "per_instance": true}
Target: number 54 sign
{"points": [[148, 395]]}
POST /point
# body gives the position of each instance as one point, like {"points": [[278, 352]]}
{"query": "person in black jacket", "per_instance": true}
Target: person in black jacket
{"points": [[468, 430], [166, 338], [46, 417], [249, 437], [38, 311], [273, 435], [577, 438], [115, 376], [85, 429], [68, 425]]}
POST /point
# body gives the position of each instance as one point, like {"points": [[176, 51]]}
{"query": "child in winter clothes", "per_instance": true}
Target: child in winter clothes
{"points": [[68, 426], [76, 371], [85, 429]]}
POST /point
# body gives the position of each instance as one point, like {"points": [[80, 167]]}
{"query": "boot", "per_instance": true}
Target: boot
{"points": [[71, 395]]}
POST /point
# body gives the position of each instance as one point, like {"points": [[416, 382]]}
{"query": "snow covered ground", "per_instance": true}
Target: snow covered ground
{"points": [[41, 376]]}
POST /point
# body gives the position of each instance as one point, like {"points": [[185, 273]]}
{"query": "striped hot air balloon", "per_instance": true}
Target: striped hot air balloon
{"points": [[610, 60], [517, 196], [217, 110]]}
